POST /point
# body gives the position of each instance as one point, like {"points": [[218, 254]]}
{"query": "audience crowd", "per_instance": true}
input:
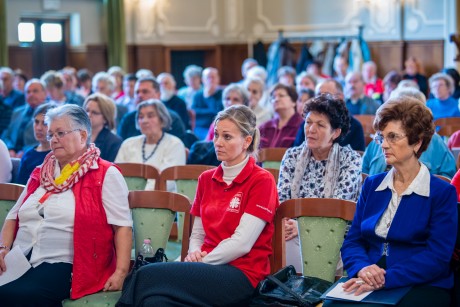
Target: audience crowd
{"points": [[138, 117]]}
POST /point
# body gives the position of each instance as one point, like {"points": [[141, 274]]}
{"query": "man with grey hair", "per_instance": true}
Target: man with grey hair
{"points": [[11, 97], [355, 137], [192, 79], [20, 133], [357, 102], [170, 99]]}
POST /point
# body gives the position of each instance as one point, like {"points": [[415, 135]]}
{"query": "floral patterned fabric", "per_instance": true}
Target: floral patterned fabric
{"points": [[313, 180]]}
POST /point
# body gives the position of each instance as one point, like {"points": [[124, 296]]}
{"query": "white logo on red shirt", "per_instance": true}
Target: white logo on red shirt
{"points": [[234, 205]]}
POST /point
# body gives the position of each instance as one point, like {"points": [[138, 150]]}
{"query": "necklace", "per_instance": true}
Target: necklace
{"points": [[153, 151]]}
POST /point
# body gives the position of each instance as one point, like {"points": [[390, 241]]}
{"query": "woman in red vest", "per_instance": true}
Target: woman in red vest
{"points": [[72, 222]]}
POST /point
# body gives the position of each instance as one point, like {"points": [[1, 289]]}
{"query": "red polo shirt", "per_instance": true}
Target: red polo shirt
{"points": [[221, 206]]}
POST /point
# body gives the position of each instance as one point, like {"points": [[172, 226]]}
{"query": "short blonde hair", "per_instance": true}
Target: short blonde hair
{"points": [[107, 107]]}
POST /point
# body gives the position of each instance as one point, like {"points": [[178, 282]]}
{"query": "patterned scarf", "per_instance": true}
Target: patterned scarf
{"points": [[70, 174], [332, 170]]}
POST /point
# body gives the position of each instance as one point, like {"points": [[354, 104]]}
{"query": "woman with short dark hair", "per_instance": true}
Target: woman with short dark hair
{"points": [[320, 167]]}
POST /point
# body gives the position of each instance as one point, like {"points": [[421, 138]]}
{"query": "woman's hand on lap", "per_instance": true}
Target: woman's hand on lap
{"points": [[3, 253], [359, 286], [196, 256], [290, 229], [373, 275]]}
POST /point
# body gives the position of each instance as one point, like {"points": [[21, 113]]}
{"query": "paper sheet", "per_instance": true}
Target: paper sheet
{"points": [[338, 292], [16, 266]]}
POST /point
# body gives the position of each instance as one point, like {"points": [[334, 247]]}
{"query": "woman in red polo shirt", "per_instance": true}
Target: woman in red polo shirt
{"points": [[230, 243]]}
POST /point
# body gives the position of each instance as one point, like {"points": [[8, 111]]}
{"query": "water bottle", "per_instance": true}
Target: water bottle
{"points": [[147, 250]]}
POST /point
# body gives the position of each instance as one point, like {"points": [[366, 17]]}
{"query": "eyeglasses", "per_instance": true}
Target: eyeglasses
{"points": [[59, 134], [391, 138], [93, 113], [280, 96]]}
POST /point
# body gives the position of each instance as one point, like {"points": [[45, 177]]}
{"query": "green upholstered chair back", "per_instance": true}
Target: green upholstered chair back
{"points": [[137, 174], [5, 207], [321, 239], [154, 224], [271, 164], [9, 194], [322, 224], [271, 157], [153, 214], [186, 178]]}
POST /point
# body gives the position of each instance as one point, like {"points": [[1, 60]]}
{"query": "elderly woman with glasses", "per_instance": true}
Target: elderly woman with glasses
{"points": [[72, 223], [154, 146], [405, 225], [281, 130]]}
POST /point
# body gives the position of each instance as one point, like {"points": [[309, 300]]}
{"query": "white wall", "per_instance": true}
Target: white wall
{"points": [[182, 22]]}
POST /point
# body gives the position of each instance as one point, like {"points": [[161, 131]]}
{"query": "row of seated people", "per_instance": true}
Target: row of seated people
{"points": [[101, 111], [403, 233], [363, 94]]}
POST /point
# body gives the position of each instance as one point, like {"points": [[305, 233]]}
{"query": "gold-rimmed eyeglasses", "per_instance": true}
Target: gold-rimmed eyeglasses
{"points": [[391, 137]]}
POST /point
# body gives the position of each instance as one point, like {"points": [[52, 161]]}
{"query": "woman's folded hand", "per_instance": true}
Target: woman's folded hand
{"points": [[359, 286], [196, 256], [373, 275]]}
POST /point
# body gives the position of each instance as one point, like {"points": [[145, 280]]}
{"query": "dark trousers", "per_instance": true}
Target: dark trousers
{"points": [[191, 284], [46, 285], [419, 296]]}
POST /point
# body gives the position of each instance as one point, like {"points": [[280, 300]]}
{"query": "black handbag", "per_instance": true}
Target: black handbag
{"points": [[286, 288], [127, 292]]}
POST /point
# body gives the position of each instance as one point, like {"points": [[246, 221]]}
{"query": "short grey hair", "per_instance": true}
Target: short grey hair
{"points": [[443, 76], [105, 77], [7, 70], [408, 92], [32, 81], [77, 115], [192, 71], [305, 74], [161, 110], [235, 87]]}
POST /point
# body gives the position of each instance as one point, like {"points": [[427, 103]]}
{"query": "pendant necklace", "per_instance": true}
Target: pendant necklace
{"points": [[144, 158]]}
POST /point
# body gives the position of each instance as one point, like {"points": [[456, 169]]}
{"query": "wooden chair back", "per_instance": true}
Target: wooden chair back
{"points": [[153, 216], [137, 174], [186, 178], [271, 157], [367, 122], [322, 224], [446, 126]]}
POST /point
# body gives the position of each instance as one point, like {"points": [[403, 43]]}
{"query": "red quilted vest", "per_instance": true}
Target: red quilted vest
{"points": [[94, 252]]}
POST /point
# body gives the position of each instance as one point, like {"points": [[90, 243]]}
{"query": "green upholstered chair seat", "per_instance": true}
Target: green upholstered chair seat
{"points": [[100, 299], [321, 239], [5, 207]]}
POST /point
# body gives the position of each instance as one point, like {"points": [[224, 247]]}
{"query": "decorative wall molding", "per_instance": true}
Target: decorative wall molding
{"points": [[209, 26], [304, 27]]}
